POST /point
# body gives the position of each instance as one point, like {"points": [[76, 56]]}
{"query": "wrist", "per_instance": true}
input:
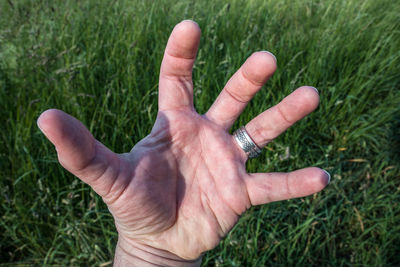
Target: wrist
{"points": [[137, 254]]}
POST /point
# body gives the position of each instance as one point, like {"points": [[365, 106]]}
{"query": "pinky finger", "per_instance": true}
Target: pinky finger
{"points": [[269, 187]]}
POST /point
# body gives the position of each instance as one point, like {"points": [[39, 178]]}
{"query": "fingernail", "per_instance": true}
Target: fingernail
{"points": [[329, 176], [189, 20], [316, 90], [271, 55], [38, 125]]}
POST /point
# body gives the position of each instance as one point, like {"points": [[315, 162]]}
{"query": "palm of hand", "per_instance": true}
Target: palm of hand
{"points": [[187, 175], [182, 188]]}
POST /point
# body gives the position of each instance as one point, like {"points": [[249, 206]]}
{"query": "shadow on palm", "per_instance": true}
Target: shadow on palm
{"points": [[179, 180]]}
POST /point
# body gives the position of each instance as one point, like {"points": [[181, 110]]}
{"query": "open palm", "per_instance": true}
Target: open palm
{"points": [[183, 187]]}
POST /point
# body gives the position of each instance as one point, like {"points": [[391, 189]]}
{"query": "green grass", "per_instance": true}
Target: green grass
{"points": [[99, 61]]}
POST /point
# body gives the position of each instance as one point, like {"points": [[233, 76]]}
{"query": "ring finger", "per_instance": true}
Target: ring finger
{"points": [[274, 121]]}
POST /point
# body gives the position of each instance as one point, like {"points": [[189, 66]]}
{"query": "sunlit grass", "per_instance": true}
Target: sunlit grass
{"points": [[99, 61]]}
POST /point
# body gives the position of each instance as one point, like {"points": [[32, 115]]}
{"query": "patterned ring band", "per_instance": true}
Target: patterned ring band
{"points": [[246, 143]]}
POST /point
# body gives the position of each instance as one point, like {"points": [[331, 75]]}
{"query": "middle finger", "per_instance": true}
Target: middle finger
{"points": [[241, 88]]}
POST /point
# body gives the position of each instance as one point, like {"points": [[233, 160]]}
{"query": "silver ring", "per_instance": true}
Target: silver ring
{"points": [[246, 143]]}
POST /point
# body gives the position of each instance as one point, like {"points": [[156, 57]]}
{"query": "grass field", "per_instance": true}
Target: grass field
{"points": [[99, 61]]}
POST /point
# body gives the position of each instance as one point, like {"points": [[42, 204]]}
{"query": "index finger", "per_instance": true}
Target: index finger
{"points": [[176, 86]]}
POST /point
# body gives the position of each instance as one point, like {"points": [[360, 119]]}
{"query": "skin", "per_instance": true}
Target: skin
{"points": [[183, 187]]}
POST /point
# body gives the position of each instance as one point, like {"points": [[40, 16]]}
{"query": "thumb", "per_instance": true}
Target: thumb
{"points": [[78, 151]]}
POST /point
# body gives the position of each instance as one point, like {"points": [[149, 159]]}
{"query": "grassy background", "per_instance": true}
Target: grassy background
{"points": [[99, 61]]}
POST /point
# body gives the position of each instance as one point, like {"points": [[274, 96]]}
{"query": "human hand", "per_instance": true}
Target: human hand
{"points": [[184, 186]]}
